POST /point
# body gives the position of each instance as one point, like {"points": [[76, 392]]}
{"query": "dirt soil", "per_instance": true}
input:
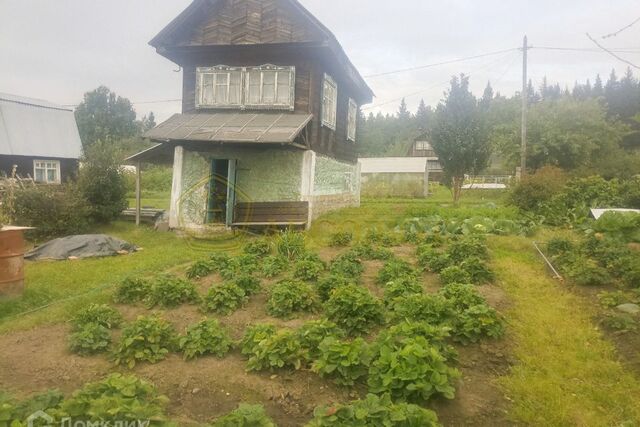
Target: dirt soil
{"points": [[204, 389]]}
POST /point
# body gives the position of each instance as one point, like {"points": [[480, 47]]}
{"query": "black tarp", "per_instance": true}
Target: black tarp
{"points": [[81, 246]]}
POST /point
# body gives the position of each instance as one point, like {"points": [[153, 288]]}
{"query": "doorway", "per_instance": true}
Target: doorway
{"points": [[219, 191]]}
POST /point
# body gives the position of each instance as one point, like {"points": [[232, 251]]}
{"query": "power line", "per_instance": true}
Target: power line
{"points": [[618, 57], [626, 27], [137, 103], [435, 64], [587, 49]]}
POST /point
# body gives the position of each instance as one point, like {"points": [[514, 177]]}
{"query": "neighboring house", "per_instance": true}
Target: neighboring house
{"points": [[270, 102], [398, 176], [421, 147], [39, 139]]}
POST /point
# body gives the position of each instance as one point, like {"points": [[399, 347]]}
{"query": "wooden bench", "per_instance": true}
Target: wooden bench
{"points": [[146, 215], [261, 214]]}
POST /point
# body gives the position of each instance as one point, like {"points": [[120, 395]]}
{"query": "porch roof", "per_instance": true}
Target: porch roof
{"points": [[236, 127]]}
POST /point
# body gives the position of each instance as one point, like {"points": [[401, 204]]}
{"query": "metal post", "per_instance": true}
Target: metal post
{"points": [[138, 196], [525, 99]]}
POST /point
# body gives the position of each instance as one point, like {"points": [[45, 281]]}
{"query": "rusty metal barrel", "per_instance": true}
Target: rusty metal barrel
{"points": [[12, 260]]}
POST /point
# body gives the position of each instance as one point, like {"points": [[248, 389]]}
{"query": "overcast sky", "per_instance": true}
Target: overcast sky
{"points": [[59, 49]]}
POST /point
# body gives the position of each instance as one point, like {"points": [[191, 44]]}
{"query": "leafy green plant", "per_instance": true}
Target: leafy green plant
{"points": [[373, 411], [169, 291], [258, 247], [345, 362], [584, 271], [249, 284], [461, 296], [454, 274], [98, 314], [307, 270], [478, 271], [401, 287], [354, 309], [384, 238], [411, 369], [273, 266], [612, 299], [219, 261], [206, 337], [253, 335], [437, 336], [224, 299], [433, 309], [279, 350], [467, 247], [289, 297], [245, 416], [347, 265], [559, 246], [340, 239], [619, 322], [90, 338], [200, 269], [477, 322], [327, 284], [132, 290], [148, 339], [368, 251], [312, 333], [290, 244], [394, 269]]}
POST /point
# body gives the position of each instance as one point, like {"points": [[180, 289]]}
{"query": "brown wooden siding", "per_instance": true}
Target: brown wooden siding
{"points": [[68, 167], [271, 213]]}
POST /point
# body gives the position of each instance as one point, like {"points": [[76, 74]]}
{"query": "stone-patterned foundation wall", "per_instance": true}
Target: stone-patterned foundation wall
{"points": [[336, 185], [263, 175]]}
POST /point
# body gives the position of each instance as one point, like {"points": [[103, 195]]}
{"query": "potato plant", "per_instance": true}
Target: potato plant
{"points": [[340, 239], [368, 251], [289, 297], [401, 287], [206, 337], [327, 284], [454, 274], [347, 265], [308, 270], [224, 299], [253, 335], [199, 269], [312, 333], [99, 314], [393, 269], [249, 284], [354, 309], [148, 339], [273, 266]]}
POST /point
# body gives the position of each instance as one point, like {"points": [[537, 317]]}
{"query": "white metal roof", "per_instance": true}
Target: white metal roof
{"points": [[37, 128], [597, 213], [394, 164]]}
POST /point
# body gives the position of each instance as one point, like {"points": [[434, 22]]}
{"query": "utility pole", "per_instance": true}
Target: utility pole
{"points": [[525, 100]]}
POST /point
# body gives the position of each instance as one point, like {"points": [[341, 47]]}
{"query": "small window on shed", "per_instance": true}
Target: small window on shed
{"points": [[352, 120], [46, 171], [329, 102], [218, 87], [270, 86]]}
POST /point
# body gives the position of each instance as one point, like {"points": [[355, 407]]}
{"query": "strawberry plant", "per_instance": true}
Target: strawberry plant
{"points": [[200, 269], [290, 244], [169, 291], [345, 362], [401, 287], [273, 266], [383, 238], [312, 333], [258, 247], [245, 416], [394, 269], [249, 284], [90, 338], [367, 251], [461, 296], [327, 284], [240, 265], [354, 309], [347, 265], [224, 299], [411, 369], [435, 335], [277, 351], [307, 270], [433, 309], [340, 239], [206, 337], [219, 261], [478, 271], [98, 314], [475, 323], [253, 335], [289, 297], [454, 274], [148, 339], [131, 291], [467, 247], [373, 411]]}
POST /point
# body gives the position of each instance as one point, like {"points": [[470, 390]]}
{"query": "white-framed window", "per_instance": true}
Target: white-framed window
{"points": [[219, 87], [270, 86], [423, 146], [352, 120], [265, 86], [329, 102], [46, 171]]}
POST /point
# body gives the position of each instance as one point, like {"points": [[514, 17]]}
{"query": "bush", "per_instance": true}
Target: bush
{"points": [[253, 335], [132, 290], [340, 239], [619, 322], [147, 339], [98, 314], [307, 270], [245, 416], [411, 369], [289, 297], [54, 211], [345, 362], [224, 299], [169, 291], [373, 411], [558, 246], [347, 265], [279, 350], [273, 266], [454, 274], [395, 269], [206, 337], [312, 333], [534, 190], [290, 244], [612, 299], [354, 309], [102, 183], [258, 247], [90, 338], [584, 271]]}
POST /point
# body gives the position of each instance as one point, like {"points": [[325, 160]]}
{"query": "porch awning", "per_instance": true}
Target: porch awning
{"points": [[244, 127]]}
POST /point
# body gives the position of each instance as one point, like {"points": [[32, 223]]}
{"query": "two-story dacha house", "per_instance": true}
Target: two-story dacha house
{"points": [[267, 133]]}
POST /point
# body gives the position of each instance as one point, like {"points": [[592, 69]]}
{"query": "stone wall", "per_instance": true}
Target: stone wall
{"points": [[336, 185]]}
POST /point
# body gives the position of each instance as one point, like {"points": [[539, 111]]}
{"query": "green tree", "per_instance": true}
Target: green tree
{"points": [[403, 112], [104, 116], [459, 135]]}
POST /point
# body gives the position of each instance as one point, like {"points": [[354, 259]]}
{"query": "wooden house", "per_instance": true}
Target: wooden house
{"points": [[38, 140], [267, 134]]}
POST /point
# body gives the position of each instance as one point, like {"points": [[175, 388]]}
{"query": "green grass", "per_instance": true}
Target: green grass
{"points": [[151, 199], [566, 372]]}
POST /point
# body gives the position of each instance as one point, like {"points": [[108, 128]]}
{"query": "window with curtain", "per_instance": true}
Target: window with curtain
{"points": [[46, 171], [219, 87], [329, 102]]}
